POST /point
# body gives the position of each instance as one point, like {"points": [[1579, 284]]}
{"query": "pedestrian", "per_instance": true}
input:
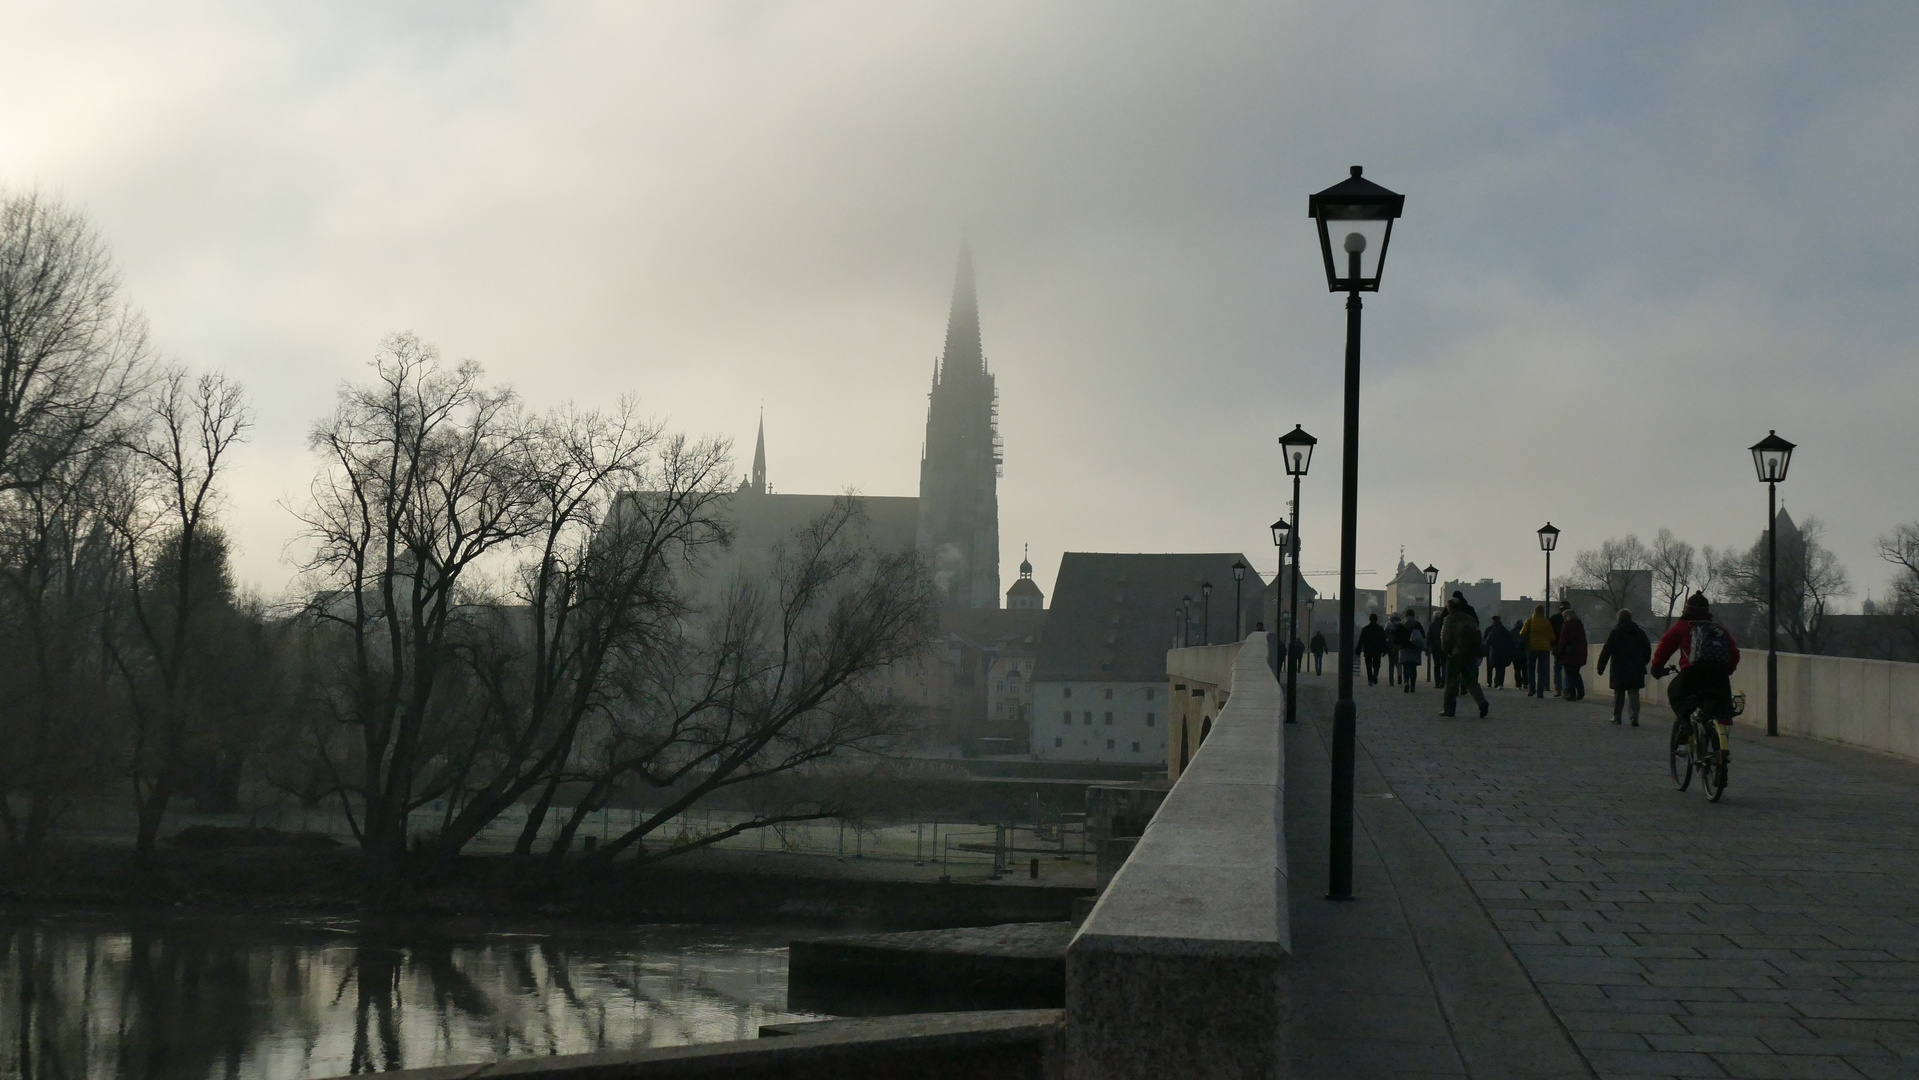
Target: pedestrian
{"points": [[1319, 650], [1537, 635], [1435, 631], [1629, 651], [1295, 651], [1411, 645], [1463, 649], [1499, 647], [1392, 649], [1559, 667], [1372, 646], [1572, 653]]}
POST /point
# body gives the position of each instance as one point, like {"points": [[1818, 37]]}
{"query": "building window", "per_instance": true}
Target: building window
{"points": [[1109, 719], [1149, 719], [1109, 744], [1065, 691], [1059, 742], [1066, 717], [1135, 748], [1109, 693], [1088, 721]]}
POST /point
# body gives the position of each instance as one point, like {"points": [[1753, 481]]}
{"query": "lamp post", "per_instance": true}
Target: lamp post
{"points": [[1281, 530], [1364, 213], [1186, 609], [1239, 613], [1770, 457], [1548, 540], [1205, 613], [1432, 647], [1296, 448], [1176, 641]]}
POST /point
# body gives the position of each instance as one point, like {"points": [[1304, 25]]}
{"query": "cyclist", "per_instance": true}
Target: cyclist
{"points": [[1707, 658]]}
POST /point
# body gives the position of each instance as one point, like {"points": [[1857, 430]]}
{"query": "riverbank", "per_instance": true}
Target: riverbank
{"points": [[705, 887]]}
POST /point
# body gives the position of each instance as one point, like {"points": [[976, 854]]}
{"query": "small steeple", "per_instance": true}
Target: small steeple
{"points": [[1026, 562], [757, 485]]}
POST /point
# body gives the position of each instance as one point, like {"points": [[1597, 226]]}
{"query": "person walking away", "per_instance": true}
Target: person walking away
{"points": [[1498, 643], [1537, 635], [1572, 653], [1628, 650], [1411, 647], [1295, 652], [1435, 633], [1319, 650], [1393, 625], [1372, 646], [1707, 658], [1559, 667], [1463, 648]]}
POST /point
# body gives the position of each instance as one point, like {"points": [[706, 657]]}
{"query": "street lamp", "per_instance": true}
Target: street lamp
{"points": [[1186, 608], [1296, 449], [1281, 531], [1176, 642], [1548, 540], [1432, 579], [1363, 213], [1205, 613], [1239, 616], [1770, 458]]}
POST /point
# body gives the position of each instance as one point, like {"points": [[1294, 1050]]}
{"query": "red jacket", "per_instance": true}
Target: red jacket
{"points": [[1679, 639]]}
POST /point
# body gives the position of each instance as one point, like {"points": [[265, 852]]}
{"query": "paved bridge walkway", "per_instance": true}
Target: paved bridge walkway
{"points": [[1536, 900]]}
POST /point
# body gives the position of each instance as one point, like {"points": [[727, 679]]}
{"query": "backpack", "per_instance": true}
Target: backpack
{"points": [[1710, 642], [1462, 636]]}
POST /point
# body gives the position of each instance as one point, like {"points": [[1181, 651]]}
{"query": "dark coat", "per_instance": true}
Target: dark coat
{"points": [[1628, 650], [1501, 649], [1571, 649], [1372, 639], [1319, 643]]}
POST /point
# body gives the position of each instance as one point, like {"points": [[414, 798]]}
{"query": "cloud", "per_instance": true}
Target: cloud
{"points": [[1633, 243]]}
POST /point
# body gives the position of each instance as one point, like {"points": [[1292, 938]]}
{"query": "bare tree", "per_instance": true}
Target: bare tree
{"points": [[71, 354], [624, 509], [177, 584], [1675, 564], [782, 675], [1607, 570], [1901, 548], [1810, 581], [425, 475], [59, 574]]}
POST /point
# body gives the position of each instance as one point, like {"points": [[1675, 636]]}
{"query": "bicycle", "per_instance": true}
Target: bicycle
{"points": [[1699, 745]]}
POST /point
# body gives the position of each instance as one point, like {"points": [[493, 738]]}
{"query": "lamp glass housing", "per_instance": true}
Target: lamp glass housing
{"points": [[1548, 537], [1205, 588], [1771, 456], [1239, 570], [1296, 447], [1432, 575], [1280, 529], [1355, 221]]}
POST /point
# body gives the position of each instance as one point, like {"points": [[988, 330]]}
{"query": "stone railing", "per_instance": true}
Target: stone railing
{"points": [[1867, 703], [1180, 968]]}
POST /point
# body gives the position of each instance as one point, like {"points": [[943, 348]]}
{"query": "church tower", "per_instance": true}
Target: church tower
{"points": [[960, 464], [756, 483]]}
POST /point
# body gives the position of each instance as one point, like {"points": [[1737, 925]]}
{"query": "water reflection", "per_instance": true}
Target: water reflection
{"points": [[138, 999]]}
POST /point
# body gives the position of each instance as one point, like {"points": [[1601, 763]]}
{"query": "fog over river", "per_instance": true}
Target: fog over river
{"points": [[131, 998]]}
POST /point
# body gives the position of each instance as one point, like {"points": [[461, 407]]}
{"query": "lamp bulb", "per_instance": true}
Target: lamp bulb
{"points": [[1355, 243]]}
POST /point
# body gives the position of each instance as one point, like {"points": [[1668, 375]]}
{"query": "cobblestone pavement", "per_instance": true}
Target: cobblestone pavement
{"points": [[1775, 934]]}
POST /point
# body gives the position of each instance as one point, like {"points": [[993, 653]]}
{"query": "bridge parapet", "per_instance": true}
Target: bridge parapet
{"points": [[1180, 968]]}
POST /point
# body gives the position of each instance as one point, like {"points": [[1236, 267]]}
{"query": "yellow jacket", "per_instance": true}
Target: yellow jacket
{"points": [[1537, 634]]}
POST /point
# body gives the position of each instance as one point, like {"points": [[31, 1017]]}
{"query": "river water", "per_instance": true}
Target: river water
{"points": [[117, 998]]}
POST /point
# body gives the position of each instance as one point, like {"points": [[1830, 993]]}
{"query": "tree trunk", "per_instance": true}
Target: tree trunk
{"points": [[152, 811]]}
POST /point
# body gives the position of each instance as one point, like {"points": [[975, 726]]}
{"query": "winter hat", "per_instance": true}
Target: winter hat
{"points": [[1697, 607]]}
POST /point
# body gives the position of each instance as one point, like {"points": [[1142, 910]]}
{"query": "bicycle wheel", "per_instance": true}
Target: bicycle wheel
{"points": [[1712, 769], [1679, 754]]}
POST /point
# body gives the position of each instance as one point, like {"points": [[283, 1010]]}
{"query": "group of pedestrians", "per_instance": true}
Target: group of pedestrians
{"points": [[1545, 652]]}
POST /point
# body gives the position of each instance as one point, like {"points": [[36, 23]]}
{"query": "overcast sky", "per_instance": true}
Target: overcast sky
{"points": [[1637, 236]]}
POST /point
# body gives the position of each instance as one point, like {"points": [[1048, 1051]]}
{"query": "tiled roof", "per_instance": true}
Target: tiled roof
{"points": [[1112, 615]]}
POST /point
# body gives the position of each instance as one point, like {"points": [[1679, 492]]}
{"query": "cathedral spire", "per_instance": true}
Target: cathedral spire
{"points": [[964, 355], [758, 483]]}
